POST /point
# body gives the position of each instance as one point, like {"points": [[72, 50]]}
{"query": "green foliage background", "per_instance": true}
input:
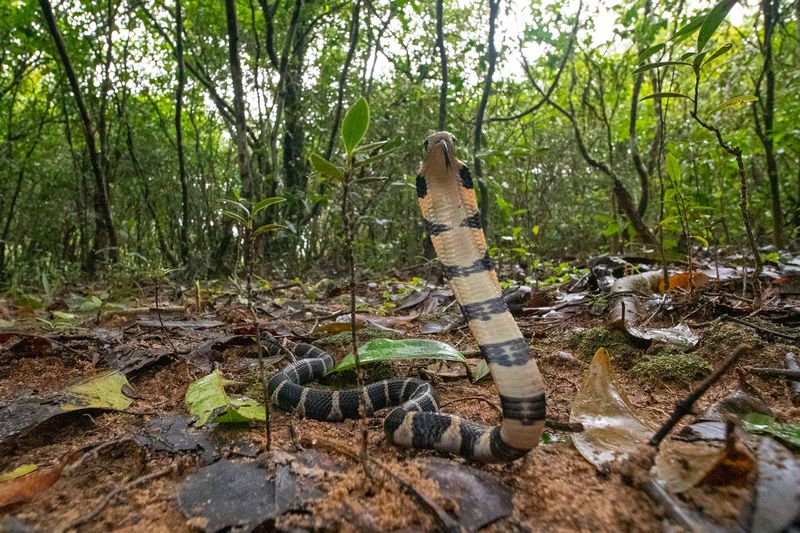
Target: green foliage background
{"points": [[545, 201]]}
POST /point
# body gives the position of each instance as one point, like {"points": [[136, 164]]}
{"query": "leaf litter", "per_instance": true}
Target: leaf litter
{"points": [[553, 487]]}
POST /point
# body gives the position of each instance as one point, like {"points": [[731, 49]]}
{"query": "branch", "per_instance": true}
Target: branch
{"points": [[557, 77], [684, 407]]}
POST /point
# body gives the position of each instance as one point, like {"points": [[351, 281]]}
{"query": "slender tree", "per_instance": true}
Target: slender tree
{"points": [[243, 159], [442, 64], [351, 51], [103, 213], [765, 124], [477, 169], [181, 83]]}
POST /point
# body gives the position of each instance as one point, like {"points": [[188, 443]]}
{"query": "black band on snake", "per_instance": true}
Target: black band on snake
{"points": [[450, 211]]}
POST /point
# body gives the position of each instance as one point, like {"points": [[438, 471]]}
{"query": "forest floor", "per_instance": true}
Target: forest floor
{"points": [[140, 468]]}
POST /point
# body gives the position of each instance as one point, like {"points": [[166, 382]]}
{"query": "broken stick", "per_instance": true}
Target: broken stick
{"points": [[684, 407]]}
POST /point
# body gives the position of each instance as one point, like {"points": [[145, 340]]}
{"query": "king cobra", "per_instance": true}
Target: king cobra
{"points": [[452, 220]]}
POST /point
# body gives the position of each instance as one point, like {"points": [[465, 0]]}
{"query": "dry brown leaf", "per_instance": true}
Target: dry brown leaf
{"points": [[682, 280], [26, 488], [612, 430]]}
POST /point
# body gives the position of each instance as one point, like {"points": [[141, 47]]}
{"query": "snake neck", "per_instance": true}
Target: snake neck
{"points": [[452, 218]]}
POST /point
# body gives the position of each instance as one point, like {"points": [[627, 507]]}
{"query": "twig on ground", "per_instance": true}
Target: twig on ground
{"points": [[762, 372], [470, 398], [684, 407], [791, 364], [445, 521], [557, 425], [164, 329], [143, 310], [762, 329], [113, 494], [94, 450]]}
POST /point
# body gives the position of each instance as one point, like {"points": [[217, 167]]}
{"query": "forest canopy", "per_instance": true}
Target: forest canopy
{"points": [[133, 132]]}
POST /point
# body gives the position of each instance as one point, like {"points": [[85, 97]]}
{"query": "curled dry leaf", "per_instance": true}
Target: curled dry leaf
{"points": [[612, 430], [626, 308]]}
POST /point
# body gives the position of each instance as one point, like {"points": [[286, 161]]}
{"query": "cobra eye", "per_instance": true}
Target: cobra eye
{"points": [[453, 139], [425, 145]]}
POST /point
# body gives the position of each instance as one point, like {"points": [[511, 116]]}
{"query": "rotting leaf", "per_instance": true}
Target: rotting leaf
{"points": [[766, 425], [480, 497], [104, 391], [384, 350], [338, 327], [777, 492], [175, 434], [612, 430], [242, 496], [207, 400], [26, 487], [679, 335], [183, 324], [682, 465]]}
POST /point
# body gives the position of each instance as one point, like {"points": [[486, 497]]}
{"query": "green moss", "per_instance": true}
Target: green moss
{"points": [[590, 340], [723, 337], [675, 367]]}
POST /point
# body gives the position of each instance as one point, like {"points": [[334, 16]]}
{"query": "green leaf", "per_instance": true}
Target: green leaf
{"points": [[237, 217], [60, 315], [724, 49], [648, 52], [373, 159], [611, 229], [266, 202], [266, 228], [673, 168], [702, 240], [665, 95], [736, 100], [20, 471], [536, 230], [480, 371], [685, 31], [766, 425], [326, 168], [103, 391], [207, 400], [383, 350], [240, 205], [90, 304], [698, 61], [355, 124], [364, 148], [712, 22], [651, 66]]}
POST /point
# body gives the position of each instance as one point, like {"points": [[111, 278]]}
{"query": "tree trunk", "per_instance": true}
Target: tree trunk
{"points": [[769, 9], [248, 186], [477, 170], [442, 64], [184, 233], [351, 50], [103, 214]]}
